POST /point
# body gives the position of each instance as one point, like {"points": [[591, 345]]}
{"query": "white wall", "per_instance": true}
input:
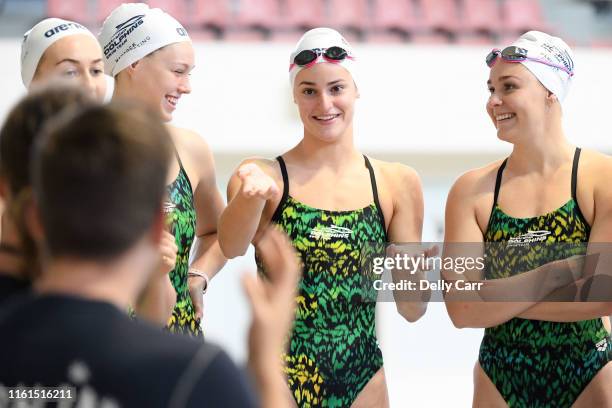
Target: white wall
{"points": [[413, 99]]}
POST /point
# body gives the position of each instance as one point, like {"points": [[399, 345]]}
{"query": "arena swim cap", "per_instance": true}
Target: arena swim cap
{"points": [[132, 31], [320, 39], [42, 36], [553, 49]]}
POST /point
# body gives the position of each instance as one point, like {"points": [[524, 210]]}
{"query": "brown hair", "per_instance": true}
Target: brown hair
{"points": [[99, 178], [17, 136]]}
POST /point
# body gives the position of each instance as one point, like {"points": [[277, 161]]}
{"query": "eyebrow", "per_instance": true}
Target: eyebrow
{"points": [[73, 61], [328, 84], [504, 78]]}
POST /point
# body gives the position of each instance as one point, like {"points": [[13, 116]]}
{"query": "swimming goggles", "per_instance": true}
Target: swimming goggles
{"points": [[518, 54], [333, 54]]}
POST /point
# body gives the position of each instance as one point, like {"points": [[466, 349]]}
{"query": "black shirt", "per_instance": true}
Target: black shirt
{"points": [[55, 340], [10, 285]]}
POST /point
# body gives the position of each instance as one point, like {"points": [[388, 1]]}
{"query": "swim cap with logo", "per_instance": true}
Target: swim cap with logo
{"points": [[553, 49], [132, 31], [42, 36], [322, 38]]}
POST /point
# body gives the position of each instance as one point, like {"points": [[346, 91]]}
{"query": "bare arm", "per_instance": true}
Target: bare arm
{"points": [[477, 308], [208, 203], [247, 193], [599, 242], [273, 305], [159, 297], [406, 226]]}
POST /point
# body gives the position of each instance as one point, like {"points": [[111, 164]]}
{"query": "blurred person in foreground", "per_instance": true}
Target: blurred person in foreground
{"points": [[99, 252]]}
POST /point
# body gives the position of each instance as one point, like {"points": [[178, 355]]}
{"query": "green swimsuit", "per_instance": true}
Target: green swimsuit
{"points": [[535, 363], [183, 224], [333, 351]]}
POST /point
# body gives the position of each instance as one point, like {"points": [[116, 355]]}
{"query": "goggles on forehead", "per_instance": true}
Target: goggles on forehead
{"points": [[333, 54], [518, 54]]}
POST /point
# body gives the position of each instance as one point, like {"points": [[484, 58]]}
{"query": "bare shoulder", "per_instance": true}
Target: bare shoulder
{"points": [[594, 163], [595, 169], [476, 182], [191, 143], [397, 175]]}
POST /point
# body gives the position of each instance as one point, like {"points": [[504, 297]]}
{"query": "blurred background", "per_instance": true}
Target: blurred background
{"points": [[422, 80]]}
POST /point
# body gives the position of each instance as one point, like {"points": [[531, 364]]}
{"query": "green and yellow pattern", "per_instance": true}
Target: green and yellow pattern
{"points": [[332, 351], [536, 363], [182, 221]]}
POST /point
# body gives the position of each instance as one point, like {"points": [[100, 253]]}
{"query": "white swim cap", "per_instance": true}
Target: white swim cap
{"points": [[554, 50], [132, 31], [319, 40], [42, 36]]}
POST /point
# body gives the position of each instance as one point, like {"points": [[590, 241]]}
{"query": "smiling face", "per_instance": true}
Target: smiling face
{"points": [[518, 102], [75, 58], [161, 78], [325, 95]]}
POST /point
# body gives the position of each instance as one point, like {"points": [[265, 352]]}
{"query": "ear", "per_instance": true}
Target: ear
{"points": [[132, 68], [357, 94], [551, 97]]}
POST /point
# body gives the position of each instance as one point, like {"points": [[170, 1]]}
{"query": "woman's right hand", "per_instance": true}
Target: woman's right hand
{"points": [[256, 183]]}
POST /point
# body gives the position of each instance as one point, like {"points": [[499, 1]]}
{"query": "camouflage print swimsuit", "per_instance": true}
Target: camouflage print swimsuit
{"points": [[333, 351], [183, 225], [535, 363]]}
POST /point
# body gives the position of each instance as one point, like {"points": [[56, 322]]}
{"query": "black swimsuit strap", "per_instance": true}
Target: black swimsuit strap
{"points": [[283, 169], [182, 169], [375, 193], [498, 181], [575, 173], [575, 185]]}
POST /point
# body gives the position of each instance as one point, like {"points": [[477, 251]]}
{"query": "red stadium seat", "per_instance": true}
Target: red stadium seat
{"points": [[440, 15], [264, 14], [303, 15], [523, 15], [481, 16], [394, 15], [75, 10], [349, 14], [176, 8], [211, 13]]}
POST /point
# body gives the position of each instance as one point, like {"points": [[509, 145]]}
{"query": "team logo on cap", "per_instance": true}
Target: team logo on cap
{"points": [[123, 31], [561, 55]]}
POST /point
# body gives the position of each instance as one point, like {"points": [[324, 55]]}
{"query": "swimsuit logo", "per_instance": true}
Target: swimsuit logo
{"points": [[120, 37], [528, 238], [602, 345], [168, 207], [326, 233]]}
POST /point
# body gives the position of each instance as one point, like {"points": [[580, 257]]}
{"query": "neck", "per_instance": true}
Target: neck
{"points": [[122, 90], [116, 281], [546, 149], [337, 154]]}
